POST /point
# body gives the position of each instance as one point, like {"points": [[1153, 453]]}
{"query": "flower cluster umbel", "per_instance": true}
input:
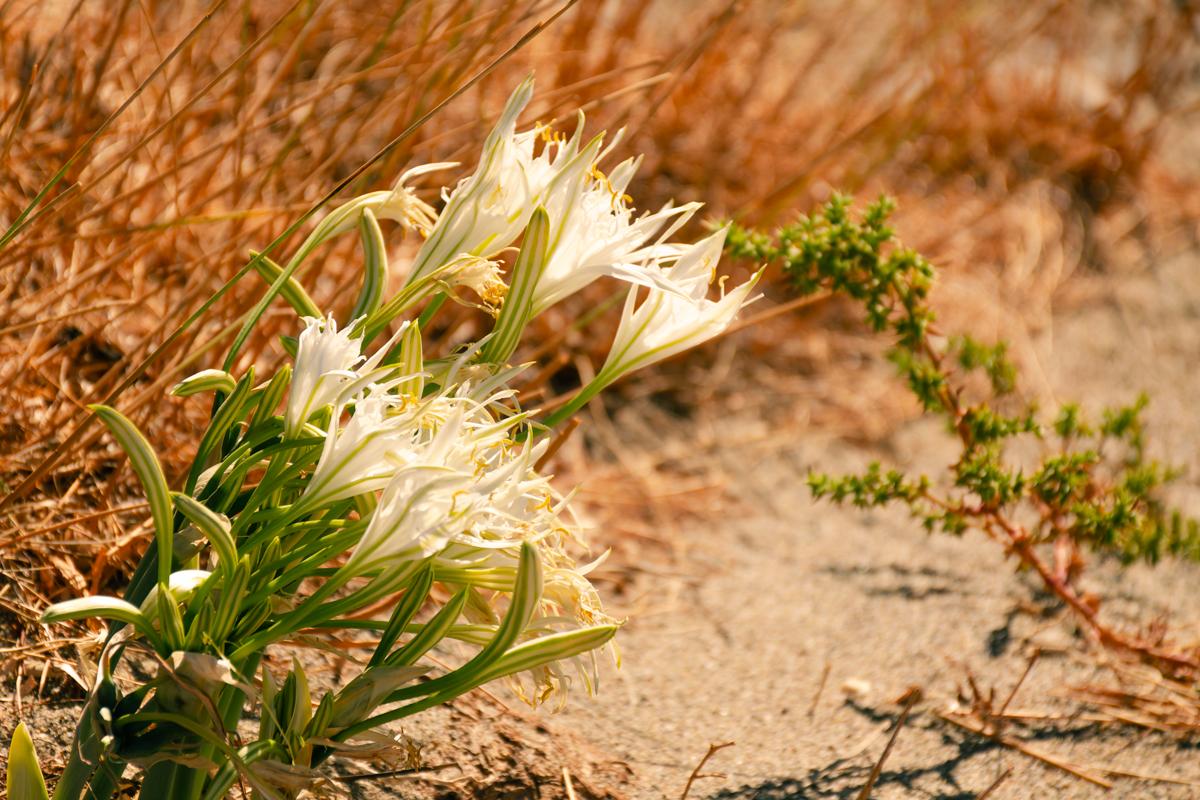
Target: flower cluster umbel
{"points": [[364, 477]]}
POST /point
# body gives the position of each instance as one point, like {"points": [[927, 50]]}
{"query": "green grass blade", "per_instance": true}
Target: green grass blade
{"points": [[25, 781], [149, 470]]}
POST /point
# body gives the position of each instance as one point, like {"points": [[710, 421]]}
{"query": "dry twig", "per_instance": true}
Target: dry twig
{"points": [[712, 748]]}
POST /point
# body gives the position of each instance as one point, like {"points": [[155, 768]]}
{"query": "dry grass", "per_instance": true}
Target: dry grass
{"points": [[1023, 141]]}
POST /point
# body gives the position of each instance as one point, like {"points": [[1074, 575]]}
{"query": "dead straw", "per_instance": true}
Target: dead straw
{"points": [[914, 694], [696, 774]]}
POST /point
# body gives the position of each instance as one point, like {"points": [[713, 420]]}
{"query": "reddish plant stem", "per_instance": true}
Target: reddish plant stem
{"points": [[1018, 541]]}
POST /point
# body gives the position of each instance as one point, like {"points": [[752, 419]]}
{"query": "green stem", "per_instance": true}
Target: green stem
{"points": [[159, 781], [577, 402], [230, 709], [430, 310], [78, 772], [104, 782], [291, 622]]}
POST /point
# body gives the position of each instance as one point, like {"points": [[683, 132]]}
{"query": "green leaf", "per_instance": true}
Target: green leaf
{"points": [[363, 695], [225, 416], [518, 304], [200, 627], [323, 715], [209, 380], [170, 621], [103, 607], [231, 600], [544, 649], [300, 701], [526, 594], [266, 725], [272, 396], [251, 620], [149, 471], [212, 524], [290, 345], [409, 605], [291, 290], [412, 362], [220, 784], [434, 631], [375, 276], [25, 781]]}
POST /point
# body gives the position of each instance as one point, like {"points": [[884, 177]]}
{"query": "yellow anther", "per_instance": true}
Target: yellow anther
{"points": [[454, 499]]}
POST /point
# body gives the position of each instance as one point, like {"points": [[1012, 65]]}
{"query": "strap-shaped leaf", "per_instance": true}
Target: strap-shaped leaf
{"points": [[201, 626], [375, 276], [220, 784], [272, 395], [291, 290], [149, 471], [212, 524], [519, 302], [321, 717], [170, 621], [434, 631], [226, 415], [251, 620], [411, 362], [104, 608], [408, 607], [209, 380], [300, 704], [526, 594], [363, 695], [231, 600], [544, 649], [290, 345], [25, 781], [522, 657], [266, 723]]}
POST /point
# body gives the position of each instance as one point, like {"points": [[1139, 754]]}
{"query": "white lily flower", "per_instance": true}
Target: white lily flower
{"points": [[400, 204], [487, 211], [327, 369], [438, 490], [478, 274], [668, 323], [417, 513], [593, 235], [354, 460]]}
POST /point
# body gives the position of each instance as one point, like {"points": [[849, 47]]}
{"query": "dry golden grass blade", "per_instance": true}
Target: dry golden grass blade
{"points": [[1007, 177], [1089, 773]]}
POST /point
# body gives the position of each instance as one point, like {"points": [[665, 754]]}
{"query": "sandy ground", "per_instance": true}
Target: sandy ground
{"points": [[736, 650], [731, 638]]}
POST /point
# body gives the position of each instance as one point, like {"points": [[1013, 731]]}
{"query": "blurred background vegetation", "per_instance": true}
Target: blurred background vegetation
{"points": [[1025, 142]]}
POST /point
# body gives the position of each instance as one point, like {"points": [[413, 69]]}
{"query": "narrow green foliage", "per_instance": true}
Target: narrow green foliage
{"points": [[149, 470], [290, 290], [1070, 422], [993, 360], [870, 489], [1125, 423], [1062, 480], [25, 780], [1093, 483], [982, 473], [984, 426]]}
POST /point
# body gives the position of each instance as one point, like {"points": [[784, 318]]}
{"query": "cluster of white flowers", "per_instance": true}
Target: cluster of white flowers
{"points": [[454, 484], [387, 473]]}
